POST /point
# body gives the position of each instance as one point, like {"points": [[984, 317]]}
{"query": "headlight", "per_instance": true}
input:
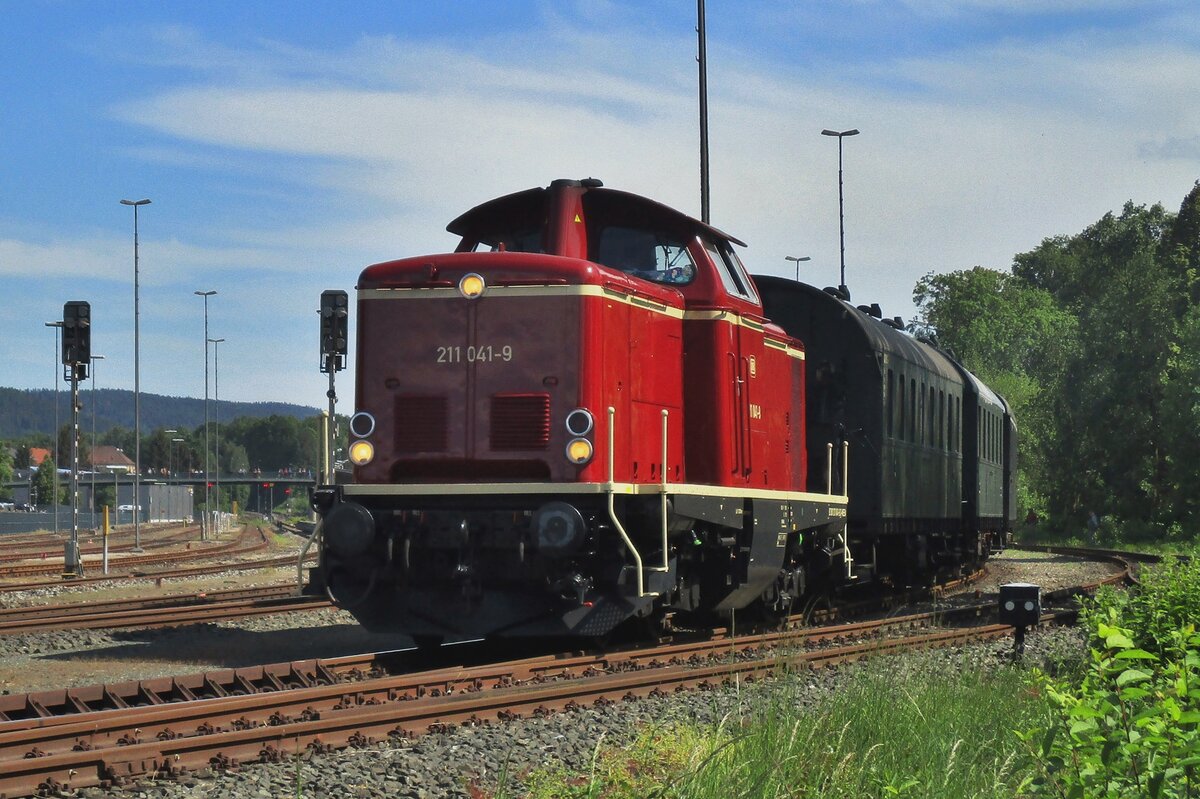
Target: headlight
{"points": [[362, 424], [472, 286], [579, 451], [362, 452], [580, 422]]}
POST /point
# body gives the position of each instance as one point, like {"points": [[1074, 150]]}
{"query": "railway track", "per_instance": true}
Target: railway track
{"points": [[250, 540], [165, 611], [39, 545], [159, 574], [265, 713], [107, 735]]}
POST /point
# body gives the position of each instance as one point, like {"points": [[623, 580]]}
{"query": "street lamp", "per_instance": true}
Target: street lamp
{"points": [[841, 214], [204, 518], [217, 413], [92, 459], [137, 386], [57, 327], [170, 452], [797, 260]]}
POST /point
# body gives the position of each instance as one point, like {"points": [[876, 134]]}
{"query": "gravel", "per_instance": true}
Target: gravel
{"points": [[471, 762], [448, 764]]}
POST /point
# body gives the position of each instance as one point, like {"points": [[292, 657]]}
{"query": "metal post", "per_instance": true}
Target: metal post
{"points": [[57, 327], [841, 213], [331, 476], [205, 516], [137, 386], [73, 563], [106, 529], [92, 459], [216, 342]]}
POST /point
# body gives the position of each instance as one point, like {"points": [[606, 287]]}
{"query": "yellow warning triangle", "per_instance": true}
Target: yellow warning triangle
{"points": [[577, 219]]}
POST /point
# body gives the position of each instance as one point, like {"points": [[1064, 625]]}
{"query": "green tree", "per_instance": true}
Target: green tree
{"points": [[44, 484], [1181, 425], [6, 471], [1018, 340], [1181, 255], [1107, 455]]}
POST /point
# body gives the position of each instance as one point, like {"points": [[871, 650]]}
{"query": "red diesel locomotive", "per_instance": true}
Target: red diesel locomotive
{"points": [[579, 417]]}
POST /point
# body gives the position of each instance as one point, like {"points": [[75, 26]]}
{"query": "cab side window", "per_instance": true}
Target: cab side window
{"points": [[733, 274]]}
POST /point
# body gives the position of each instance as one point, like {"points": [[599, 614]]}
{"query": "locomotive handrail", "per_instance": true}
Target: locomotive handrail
{"points": [[315, 537], [610, 489], [666, 564], [829, 468]]}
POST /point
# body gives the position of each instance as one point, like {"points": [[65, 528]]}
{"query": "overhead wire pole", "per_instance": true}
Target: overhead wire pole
{"points": [[702, 59]]}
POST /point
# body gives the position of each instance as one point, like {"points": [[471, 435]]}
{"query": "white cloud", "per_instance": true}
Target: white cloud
{"points": [[966, 156]]}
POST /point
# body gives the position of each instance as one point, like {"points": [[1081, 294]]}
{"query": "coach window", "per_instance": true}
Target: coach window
{"points": [[958, 424], [912, 410], [891, 402], [941, 423], [950, 425], [932, 415]]}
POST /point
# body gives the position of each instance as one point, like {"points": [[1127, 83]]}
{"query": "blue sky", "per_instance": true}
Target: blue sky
{"points": [[287, 146]]}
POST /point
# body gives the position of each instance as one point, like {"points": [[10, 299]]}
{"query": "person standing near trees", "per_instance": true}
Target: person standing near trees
{"points": [[1093, 524]]}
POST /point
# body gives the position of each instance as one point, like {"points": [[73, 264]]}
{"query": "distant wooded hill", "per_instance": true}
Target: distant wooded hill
{"points": [[25, 412]]}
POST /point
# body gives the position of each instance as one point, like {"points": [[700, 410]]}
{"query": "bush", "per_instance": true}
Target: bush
{"points": [[1131, 725]]}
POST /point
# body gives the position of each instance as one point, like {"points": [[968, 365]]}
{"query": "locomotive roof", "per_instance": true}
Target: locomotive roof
{"points": [[531, 203], [881, 337]]}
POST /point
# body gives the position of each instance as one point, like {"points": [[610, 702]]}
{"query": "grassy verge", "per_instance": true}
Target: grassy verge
{"points": [[891, 731]]}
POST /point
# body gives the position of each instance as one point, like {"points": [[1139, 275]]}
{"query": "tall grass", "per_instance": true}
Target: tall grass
{"points": [[932, 732]]}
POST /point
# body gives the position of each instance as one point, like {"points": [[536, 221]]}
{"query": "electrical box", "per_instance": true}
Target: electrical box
{"points": [[1020, 604]]}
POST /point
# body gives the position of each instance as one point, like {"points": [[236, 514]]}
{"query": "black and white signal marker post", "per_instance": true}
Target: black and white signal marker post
{"points": [[76, 355], [335, 312]]}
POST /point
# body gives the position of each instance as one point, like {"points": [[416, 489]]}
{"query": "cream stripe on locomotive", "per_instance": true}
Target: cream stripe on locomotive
{"points": [[494, 489], [654, 306]]}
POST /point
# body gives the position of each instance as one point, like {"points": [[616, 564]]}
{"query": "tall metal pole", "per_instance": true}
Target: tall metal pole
{"points": [[216, 342], [841, 206], [57, 327], [204, 518], [702, 58], [137, 387]]}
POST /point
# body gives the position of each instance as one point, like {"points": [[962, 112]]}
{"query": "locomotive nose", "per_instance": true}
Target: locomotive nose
{"points": [[348, 529]]}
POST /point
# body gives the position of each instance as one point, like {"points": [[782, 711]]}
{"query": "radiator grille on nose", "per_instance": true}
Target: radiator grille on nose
{"points": [[520, 422], [421, 424]]}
